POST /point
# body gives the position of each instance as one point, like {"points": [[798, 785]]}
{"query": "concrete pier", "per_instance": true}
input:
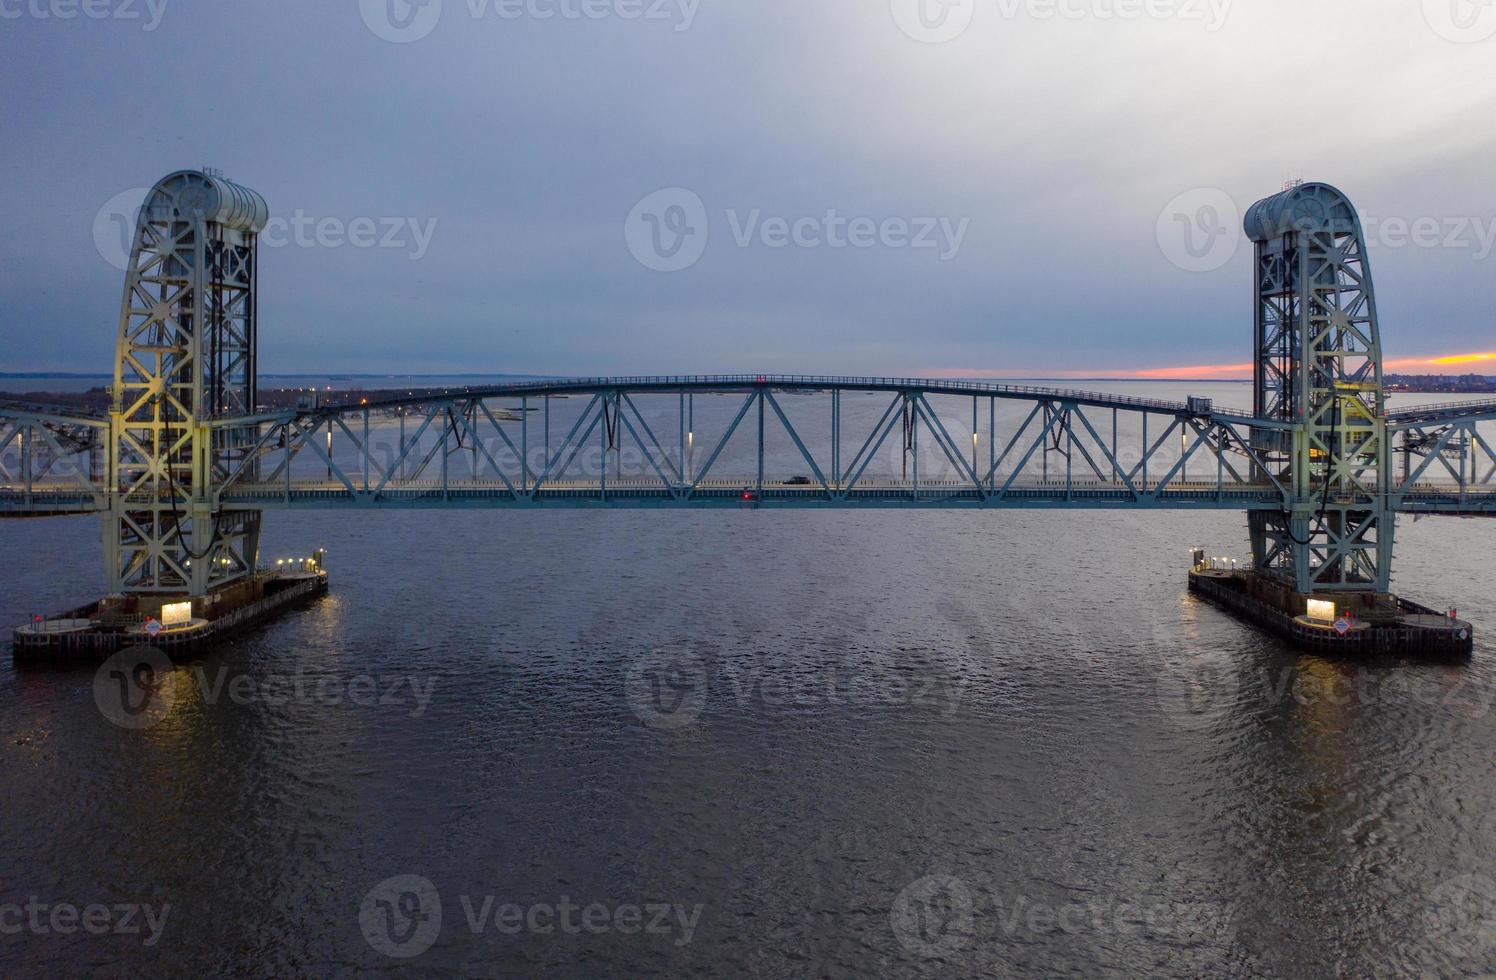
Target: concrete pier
{"points": [[1363, 625], [94, 632]]}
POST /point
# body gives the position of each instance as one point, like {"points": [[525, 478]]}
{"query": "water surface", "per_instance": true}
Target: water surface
{"points": [[837, 743]]}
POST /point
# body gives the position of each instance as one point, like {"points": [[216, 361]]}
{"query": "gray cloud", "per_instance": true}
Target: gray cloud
{"points": [[528, 140]]}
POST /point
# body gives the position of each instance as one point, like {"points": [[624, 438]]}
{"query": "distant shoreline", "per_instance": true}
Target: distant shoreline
{"points": [[74, 376], [1397, 383]]}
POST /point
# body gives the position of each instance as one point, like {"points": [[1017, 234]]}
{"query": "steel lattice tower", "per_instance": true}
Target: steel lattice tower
{"points": [[1318, 357], [185, 356]]}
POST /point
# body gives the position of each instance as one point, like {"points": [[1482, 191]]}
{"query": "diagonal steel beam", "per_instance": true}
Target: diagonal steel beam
{"points": [[664, 480], [711, 461], [1150, 451], [1109, 455], [923, 409], [1017, 434], [892, 408], [393, 468], [1041, 439], [891, 419], [652, 438], [809, 460], [1183, 461], [561, 449], [472, 432]]}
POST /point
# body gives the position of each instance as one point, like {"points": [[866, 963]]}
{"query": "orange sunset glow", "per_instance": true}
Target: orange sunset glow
{"points": [[1463, 359], [1432, 365], [1231, 372]]}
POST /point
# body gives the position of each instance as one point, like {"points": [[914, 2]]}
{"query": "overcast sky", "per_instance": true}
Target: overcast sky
{"points": [[994, 187]]}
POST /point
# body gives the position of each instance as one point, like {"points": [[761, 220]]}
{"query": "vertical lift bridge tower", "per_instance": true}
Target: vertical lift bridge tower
{"points": [[185, 356], [1318, 366]]}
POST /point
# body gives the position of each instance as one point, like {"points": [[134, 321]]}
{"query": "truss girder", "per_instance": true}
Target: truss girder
{"points": [[1438, 465], [764, 444], [50, 462]]}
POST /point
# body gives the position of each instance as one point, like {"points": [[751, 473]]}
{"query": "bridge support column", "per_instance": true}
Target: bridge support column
{"points": [[1318, 375], [185, 358]]}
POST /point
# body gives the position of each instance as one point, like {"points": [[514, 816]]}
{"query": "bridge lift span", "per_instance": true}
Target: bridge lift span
{"points": [[185, 463]]}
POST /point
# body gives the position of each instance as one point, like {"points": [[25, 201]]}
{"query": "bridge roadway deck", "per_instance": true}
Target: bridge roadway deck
{"points": [[1426, 498], [1433, 415]]}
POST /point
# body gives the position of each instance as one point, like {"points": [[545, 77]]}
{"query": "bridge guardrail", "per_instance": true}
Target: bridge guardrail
{"points": [[750, 381], [1450, 411]]}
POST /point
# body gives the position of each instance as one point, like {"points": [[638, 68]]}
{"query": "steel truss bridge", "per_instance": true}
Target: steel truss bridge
{"points": [[185, 463]]}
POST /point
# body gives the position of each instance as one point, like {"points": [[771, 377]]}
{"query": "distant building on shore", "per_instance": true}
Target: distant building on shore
{"points": [[1453, 384]]}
